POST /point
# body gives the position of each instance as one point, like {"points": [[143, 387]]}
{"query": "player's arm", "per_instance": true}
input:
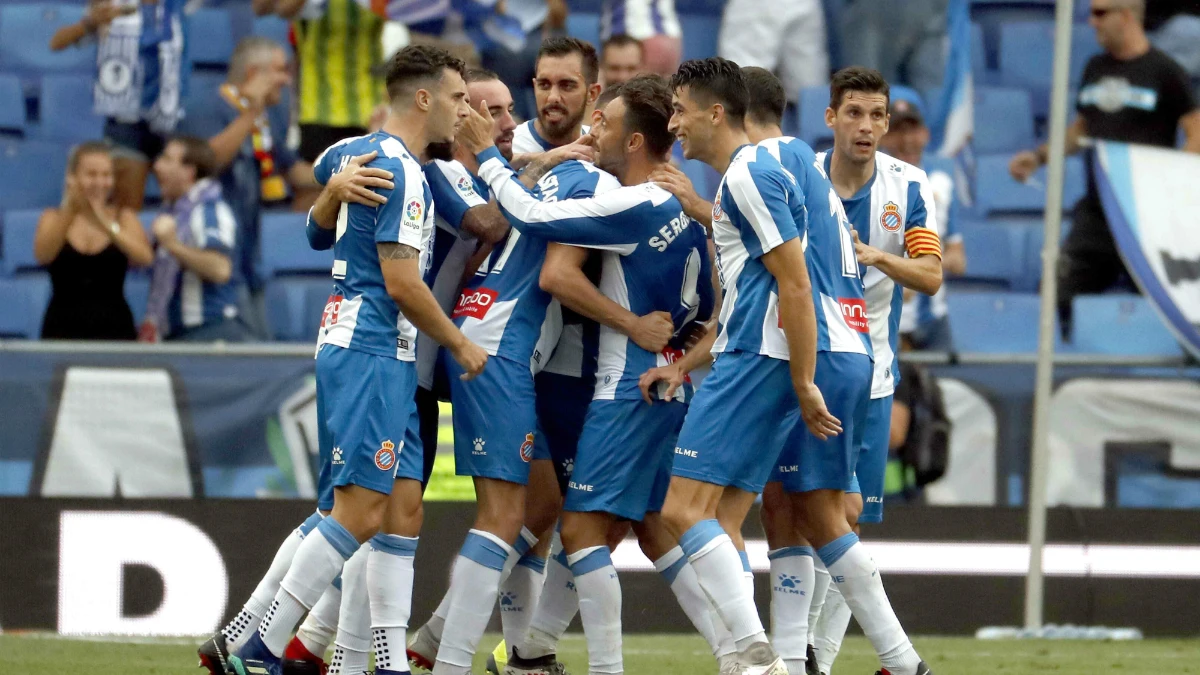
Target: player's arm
{"points": [[461, 205], [354, 184], [676, 182], [214, 262], [921, 268], [1190, 124], [562, 276]]}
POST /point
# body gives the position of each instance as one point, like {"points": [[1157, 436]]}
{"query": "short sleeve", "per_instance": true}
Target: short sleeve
{"points": [[1177, 90], [762, 208], [920, 226], [453, 190], [327, 164], [220, 227], [401, 220]]}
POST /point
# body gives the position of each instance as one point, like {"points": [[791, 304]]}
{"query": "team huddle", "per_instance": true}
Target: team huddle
{"points": [[565, 287]]}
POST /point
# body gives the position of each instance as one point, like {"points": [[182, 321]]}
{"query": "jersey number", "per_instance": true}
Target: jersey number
{"points": [[849, 259], [689, 295]]}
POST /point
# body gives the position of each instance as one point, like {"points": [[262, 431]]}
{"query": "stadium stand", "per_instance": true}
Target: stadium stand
{"points": [[273, 27], [12, 105], [285, 249], [24, 304], [21, 188], [1120, 324], [25, 31], [998, 193], [585, 26], [66, 109], [1003, 119], [295, 305], [813, 102], [16, 251], [996, 253], [210, 37], [137, 293], [994, 323]]}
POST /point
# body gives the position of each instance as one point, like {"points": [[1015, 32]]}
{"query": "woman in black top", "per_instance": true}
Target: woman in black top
{"points": [[87, 244]]}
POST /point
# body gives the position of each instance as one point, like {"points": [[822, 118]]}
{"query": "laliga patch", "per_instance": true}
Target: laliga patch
{"points": [[474, 303], [333, 307], [854, 311], [890, 219], [413, 211], [385, 456], [463, 184], [527, 449]]}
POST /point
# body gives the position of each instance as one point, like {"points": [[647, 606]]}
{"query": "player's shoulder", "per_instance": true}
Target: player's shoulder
{"points": [[755, 166], [450, 175], [899, 171]]}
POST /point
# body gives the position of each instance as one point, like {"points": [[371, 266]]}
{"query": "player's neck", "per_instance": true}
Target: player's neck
{"points": [[725, 142], [757, 133], [409, 130], [571, 136], [848, 177], [639, 168]]}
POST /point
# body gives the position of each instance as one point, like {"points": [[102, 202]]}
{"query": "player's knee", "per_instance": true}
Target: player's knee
{"points": [[854, 509], [679, 515]]}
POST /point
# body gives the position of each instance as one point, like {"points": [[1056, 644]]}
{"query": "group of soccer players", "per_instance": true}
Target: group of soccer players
{"points": [[575, 282]]}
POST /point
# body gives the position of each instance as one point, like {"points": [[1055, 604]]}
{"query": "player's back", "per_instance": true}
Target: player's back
{"points": [[360, 314]]}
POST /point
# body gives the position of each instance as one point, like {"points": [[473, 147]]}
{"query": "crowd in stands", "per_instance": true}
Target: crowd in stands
{"points": [[186, 134]]}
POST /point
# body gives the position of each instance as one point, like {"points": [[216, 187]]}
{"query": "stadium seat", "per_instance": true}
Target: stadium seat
{"points": [[210, 37], [25, 32], [997, 192], [16, 251], [285, 248], [813, 102], [295, 305], [1003, 120], [66, 109], [995, 254], [31, 173], [980, 67], [24, 305], [137, 293], [699, 35], [1026, 54], [1122, 324], [585, 27], [273, 27], [12, 105], [994, 323]]}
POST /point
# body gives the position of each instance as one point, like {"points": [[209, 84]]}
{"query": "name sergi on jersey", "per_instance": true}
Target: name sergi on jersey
{"points": [[360, 314], [760, 204], [654, 259], [893, 212]]}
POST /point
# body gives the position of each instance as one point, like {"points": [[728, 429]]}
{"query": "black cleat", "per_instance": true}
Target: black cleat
{"points": [[214, 655], [810, 662], [922, 669], [301, 667], [543, 665]]}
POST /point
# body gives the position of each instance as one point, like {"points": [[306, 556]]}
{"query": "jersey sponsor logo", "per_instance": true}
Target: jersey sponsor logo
{"points": [[474, 303], [385, 456], [854, 311], [333, 307], [463, 185], [669, 232], [687, 453], [477, 447], [527, 448], [890, 220], [671, 355], [401, 343], [337, 456]]}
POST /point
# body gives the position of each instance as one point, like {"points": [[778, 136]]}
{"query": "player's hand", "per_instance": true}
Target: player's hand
{"points": [[147, 332], [672, 374], [354, 182], [816, 416], [677, 183], [102, 14], [476, 133], [693, 333], [471, 357], [583, 150], [1023, 164], [653, 331], [72, 198], [867, 255], [164, 229], [259, 88]]}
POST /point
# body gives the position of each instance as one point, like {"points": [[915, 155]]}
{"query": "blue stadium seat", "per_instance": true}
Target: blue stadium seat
{"points": [[994, 323], [295, 305], [585, 27], [1003, 120], [1122, 324], [980, 67], [210, 37], [813, 102], [273, 27], [24, 305], [16, 250], [31, 173], [699, 35], [25, 32], [201, 100], [1027, 53], [997, 192], [66, 109], [995, 254], [137, 293], [12, 104], [285, 248]]}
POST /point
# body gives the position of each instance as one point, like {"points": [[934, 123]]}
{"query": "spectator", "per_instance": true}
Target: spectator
{"points": [[923, 321], [787, 38], [254, 164], [620, 60], [87, 244], [651, 22], [138, 83], [1174, 27], [539, 19], [903, 39], [1133, 93], [194, 292]]}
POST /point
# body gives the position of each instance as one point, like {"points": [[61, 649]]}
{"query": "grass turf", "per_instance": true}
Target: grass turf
{"points": [[46, 654]]}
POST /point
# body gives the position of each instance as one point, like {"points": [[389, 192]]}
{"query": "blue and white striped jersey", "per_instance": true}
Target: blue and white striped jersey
{"points": [[892, 212], [196, 301], [360, 314], [655, 258], [526, 139], [760, 204], [502, 309], [923, 309], [640, 19]]}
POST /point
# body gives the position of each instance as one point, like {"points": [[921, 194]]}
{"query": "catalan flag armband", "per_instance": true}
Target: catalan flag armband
{"points": [[921, 241]]}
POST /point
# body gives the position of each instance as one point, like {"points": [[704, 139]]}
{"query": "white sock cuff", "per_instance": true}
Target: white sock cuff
{"points": [[525, 541]]}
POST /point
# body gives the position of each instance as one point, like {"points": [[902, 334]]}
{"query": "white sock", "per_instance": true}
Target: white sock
{"points": [[831, 629], [476, 580], [437, 623], [680, 576], [318, 628], [246, 622], [719, 570], [820, 588], [599, 608], [856, 576], [747, 573], [519, 595], [556, 608], [318, 560], [792, 578], [389, 587], [353, 644]]}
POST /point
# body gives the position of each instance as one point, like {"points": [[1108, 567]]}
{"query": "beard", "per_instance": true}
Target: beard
{"points": [[564, 126], [443, 150], [613, 163]]}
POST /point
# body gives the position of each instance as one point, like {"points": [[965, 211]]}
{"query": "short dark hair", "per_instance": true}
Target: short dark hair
{"points": [[860, 79], [607, 95], [622, 40], [198, 154], [648, 111], [84, 149], [565, 46], [418, 62], [717, 80], [480, 75], [767, 99]]}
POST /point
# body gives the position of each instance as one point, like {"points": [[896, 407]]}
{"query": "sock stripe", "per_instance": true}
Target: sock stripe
{"points": [[790, 552], [590, 560], [339, 537], [561, 558], [394, 544], [699, 535], [309, 524], [745, 561], [833, 551], [534, 562], [673, 569], [485, 551], [525, 541], [337, 582]]}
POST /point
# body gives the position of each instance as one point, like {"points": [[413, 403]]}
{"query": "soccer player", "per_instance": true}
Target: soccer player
{"points": [[366, 378], [565, 87], [620, 60], [890, 206]]}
